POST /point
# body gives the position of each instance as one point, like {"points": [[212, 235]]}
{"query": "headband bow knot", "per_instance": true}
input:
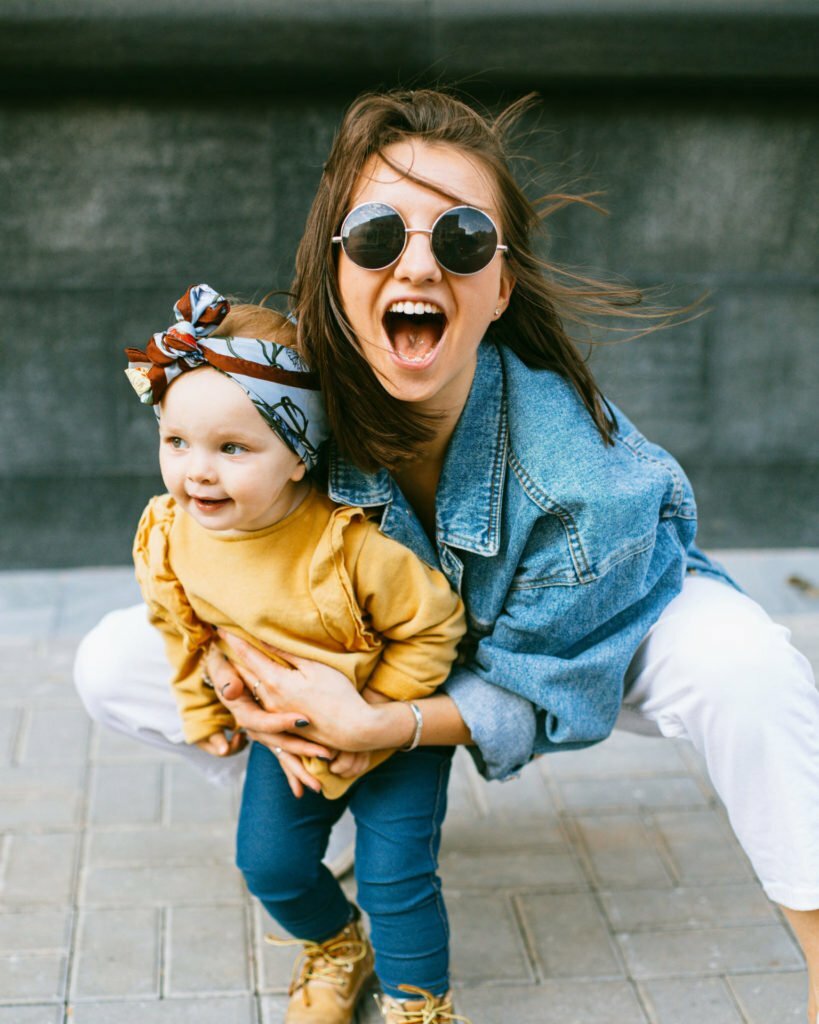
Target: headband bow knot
{"points": [[281, 387]]}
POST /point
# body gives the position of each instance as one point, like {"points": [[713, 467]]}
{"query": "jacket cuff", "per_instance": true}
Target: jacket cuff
{"points": [[501, 722]]}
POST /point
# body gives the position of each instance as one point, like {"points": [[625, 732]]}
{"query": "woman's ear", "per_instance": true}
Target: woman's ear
{"points": [[298, 472], [505, 289]]}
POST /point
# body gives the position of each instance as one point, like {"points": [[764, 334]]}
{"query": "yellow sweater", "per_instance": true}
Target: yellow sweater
{"points": [[322, 583]]}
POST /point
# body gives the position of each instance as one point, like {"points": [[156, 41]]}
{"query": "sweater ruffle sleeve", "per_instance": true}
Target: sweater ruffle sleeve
{"points": [[186, 636]]}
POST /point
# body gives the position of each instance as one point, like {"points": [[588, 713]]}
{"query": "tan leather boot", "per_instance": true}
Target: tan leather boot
{"points": [[328, 977], [425, 1009]]}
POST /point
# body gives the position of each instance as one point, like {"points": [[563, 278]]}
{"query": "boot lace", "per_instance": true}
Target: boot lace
{"points": [[330, 961], [432, 1012]]}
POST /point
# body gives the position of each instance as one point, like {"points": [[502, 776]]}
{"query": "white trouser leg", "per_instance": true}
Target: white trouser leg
{"points": [[716, 670], [122, 675]]}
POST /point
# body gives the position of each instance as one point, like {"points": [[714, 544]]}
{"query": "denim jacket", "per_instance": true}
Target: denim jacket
{"points": [[564, 550]]}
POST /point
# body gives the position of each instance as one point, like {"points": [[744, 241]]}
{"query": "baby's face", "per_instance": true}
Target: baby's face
{"points": [[220, 460]]}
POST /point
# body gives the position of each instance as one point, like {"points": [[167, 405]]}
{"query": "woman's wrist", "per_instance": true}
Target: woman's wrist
{"points": [[388, 726], [392, 725]]}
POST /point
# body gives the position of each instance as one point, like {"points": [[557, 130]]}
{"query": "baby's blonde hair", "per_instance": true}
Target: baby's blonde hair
{"points": [[247, 320]]}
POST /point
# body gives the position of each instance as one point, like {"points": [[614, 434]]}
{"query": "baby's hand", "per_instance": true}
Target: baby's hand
{"points": [[348, 764], [219, 745]]}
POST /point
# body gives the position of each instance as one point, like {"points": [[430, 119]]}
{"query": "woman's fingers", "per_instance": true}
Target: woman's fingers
{"points": [[223, 674], [242, 646], [298, 777], [292, 744], [293, 781]]}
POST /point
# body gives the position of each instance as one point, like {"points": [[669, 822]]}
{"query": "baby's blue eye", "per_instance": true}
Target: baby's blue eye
{"points": [[232, 448]]}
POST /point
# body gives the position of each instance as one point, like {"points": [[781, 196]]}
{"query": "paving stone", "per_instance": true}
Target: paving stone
{"points": [[156, 886], [688, 907], [621, 754], [32, 977], [481, 868], [212, 1010], [10, 718], [275, 1007], [486, 940], [31, 1014], [34, 931], [703, 847], [208, 950], [629, 794], [709, 951], [41, 795], [680, 1001], [553, 1002], [179, 845], [570, 936], [108, 745], [117, 953], [623, 851], [194, 800], [40, 869], [516, 798], [126, 794], [274, 964], [87, 595], [771, 998], [56, 736]]}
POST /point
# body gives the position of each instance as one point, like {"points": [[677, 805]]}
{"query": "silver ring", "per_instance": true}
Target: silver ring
{"points": [[207, 681], [277, 751], [256, 691]]}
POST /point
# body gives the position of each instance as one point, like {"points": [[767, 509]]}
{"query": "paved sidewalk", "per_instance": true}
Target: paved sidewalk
{"points": [[602, 887]]}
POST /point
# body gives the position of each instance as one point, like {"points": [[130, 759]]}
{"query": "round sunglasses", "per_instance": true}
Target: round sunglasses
{"points": [[464, 240]]}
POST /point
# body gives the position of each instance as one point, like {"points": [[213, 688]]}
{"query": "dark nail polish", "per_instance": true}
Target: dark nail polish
{"points": [[301, 722], [327, 759]]}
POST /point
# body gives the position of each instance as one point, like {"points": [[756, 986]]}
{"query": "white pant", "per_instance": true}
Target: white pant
{"points": [[714, 669]]}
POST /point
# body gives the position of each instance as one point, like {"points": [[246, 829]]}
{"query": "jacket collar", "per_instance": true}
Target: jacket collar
{"points": [[470, 491]]}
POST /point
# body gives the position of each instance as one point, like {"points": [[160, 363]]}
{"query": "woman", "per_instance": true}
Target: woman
{"points": [[465, 416]]}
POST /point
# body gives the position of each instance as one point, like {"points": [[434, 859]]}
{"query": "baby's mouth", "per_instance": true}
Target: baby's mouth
{"points": [[414, 329]]}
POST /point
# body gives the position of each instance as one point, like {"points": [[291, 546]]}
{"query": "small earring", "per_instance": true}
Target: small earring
{"points": [[497, 313]]}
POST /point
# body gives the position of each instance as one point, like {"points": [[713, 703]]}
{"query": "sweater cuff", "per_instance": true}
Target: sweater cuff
{"points": [[501, 722]]}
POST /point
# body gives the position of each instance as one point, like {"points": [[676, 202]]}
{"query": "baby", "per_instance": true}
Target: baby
{"points": [[244, 541]]}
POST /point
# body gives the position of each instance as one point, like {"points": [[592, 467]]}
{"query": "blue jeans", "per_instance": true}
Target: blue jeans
{"points": [[399, 808]]}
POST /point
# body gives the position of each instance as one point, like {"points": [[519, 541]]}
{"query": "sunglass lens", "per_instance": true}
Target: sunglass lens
{"points": [[373, 236], [464, 240]]}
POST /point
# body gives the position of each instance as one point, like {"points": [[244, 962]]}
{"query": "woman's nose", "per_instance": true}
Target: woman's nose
{"points": [[417, 264]]}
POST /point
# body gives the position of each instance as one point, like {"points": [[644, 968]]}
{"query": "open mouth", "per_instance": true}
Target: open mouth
{"points": [[414, 330], [209, 504]]}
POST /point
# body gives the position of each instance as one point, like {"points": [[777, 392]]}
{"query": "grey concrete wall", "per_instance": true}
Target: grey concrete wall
{"points": [[119, 187]]}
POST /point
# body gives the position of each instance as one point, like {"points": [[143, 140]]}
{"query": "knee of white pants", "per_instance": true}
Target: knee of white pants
{"points": [[746, 670], [103, 660]]}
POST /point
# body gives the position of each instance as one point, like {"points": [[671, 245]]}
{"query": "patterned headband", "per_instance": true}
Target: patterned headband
{"points": [[275, 379]]}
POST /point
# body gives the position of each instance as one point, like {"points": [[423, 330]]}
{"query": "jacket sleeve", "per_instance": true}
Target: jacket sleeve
{"points": [[558, 655], [186, 637], [415, 611]]}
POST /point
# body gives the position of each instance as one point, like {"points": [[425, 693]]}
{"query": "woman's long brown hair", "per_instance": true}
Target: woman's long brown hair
{"points": [[371, 427]]}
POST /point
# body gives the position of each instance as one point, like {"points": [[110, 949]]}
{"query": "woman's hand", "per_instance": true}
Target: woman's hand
{"points": [[318, 700], [272, 729]]}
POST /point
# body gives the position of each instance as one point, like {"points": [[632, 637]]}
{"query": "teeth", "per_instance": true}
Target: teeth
{"points": [[414, 308]]}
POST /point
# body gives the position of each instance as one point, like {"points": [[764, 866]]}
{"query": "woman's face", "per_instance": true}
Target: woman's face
{"points": [[425, 359]]}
